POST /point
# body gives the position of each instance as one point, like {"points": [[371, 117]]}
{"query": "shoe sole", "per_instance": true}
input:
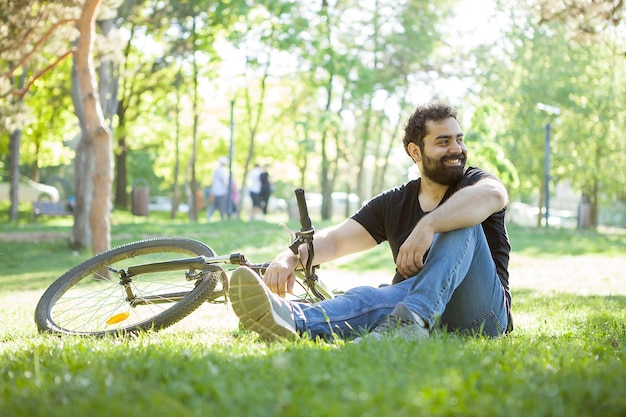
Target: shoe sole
{"points": [[251, 304]]}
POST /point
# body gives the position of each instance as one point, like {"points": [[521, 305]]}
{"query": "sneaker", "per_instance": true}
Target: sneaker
{"points": [[259, 309], [402, 322]]}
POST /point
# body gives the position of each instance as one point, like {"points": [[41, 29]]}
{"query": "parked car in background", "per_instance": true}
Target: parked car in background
{"points": [[28, 190], [164, 203], [339, 201]]}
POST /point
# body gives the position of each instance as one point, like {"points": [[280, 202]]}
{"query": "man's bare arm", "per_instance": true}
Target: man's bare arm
{"points": [[467, 207], [329, 244]]}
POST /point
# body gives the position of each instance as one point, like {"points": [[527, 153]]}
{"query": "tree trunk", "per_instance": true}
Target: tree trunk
{"points": [[81, 234], [121, 182], [95, 130], [595, 197], [541, 204], [14, 172], [326, 209], [177, 136], [108, 86], [255, 115], [83, 189], [361, 151], [14, 160], [191, 168], [191, 172]]}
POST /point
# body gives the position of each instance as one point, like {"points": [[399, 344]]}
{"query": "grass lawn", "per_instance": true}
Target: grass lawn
{"points": [[566, 356]]}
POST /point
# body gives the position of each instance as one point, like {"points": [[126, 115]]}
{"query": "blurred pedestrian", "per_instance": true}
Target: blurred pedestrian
{"points": [[266, 188], [219, 190], [254, 188]]}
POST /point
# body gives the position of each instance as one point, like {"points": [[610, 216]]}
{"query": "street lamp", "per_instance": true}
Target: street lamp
{"points": [[230, 158], [551, 110]]}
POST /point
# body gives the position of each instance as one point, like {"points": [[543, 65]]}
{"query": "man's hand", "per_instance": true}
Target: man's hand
{"points": [[331, 243], [280, 276], [485, 197], [410, 258]]}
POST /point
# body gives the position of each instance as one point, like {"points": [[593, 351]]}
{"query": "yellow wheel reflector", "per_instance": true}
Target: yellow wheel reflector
{"points": [[118, 318]]}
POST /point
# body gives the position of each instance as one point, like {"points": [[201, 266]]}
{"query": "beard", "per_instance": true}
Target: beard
{"points": [[438, 171]]}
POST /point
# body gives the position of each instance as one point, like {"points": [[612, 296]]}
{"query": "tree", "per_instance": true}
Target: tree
{"points": [[30, 35], [96, 132], [381, 54], [93, 162], [586, 18], [592, 24], [198, 24], [545, 63], [46, 23], [143, 75], [275, 27]]}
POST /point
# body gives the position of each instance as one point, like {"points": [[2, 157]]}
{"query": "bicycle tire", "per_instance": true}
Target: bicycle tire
{"points": [[84, 302]]}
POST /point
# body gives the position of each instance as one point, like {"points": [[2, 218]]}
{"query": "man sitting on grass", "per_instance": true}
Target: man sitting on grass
{"points": [[448, 238]]}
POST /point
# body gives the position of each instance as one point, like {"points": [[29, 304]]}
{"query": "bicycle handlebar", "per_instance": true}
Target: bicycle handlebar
{"points": [[305, 235], [305, 220]]}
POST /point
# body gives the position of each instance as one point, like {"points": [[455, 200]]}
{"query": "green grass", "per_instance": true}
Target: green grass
{"points": [[566, 242], [565, 358]]}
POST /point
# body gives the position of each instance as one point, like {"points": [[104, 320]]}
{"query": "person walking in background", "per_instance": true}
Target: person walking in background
{"points": [[219, 190], [266, 188], [254, 188]]}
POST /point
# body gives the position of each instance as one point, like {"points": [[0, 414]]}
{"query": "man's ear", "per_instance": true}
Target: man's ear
{"points": [[415, 152]]}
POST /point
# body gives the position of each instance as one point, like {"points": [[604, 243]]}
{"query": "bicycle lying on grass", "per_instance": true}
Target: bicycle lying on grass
{"points": [[152, 284]]}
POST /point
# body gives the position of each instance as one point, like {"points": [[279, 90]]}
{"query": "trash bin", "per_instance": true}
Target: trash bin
{"points": [[140, 195]]}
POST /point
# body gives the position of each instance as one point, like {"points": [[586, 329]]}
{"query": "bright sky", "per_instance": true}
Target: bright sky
{"points": [[474, 24], [476, 21]]}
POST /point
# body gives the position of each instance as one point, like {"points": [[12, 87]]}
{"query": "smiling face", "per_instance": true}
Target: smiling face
{"points": [[443, 157]]}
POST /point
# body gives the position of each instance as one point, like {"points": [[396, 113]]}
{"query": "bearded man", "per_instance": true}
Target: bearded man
{"points": [[448, 239]]}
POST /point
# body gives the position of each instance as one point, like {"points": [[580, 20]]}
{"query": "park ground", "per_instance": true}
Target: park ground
{"points": [[564, 358], [580, 274]]}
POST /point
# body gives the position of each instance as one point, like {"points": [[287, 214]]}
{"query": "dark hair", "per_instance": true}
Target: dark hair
{"points": [[415, 127]]}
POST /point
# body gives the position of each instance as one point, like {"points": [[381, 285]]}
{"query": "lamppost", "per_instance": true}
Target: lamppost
{"points": [[552, 111], [230, 158]]}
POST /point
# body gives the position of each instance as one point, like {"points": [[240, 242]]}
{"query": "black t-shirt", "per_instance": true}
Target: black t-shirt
{"points": [[392, 216]]}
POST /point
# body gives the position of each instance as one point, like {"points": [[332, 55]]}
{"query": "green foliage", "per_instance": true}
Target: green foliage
{"points": [[544, 64], [141, 170], [350, 72], [549, 242], [490, 156], [34, 37], [54, 126]]}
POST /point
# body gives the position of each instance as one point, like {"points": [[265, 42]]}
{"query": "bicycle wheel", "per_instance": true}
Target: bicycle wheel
{"points": [[89, 300]]}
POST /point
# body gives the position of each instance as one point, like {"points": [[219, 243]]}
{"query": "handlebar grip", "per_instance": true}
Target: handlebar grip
{"points": [[305, 220]]}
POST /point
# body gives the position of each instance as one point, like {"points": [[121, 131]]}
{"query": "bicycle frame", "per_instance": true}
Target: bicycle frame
{"points": [[159, 282], [211, 264]]}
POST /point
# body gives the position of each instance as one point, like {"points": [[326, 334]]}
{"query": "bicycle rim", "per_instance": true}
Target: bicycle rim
{"points": [[89, 299]]}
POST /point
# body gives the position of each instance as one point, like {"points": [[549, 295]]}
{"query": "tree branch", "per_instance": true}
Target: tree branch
{"points": [[20, 93], [41, 41]]}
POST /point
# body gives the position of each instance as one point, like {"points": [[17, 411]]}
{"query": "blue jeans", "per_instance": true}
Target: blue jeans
{"points": [[458, 288]]}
